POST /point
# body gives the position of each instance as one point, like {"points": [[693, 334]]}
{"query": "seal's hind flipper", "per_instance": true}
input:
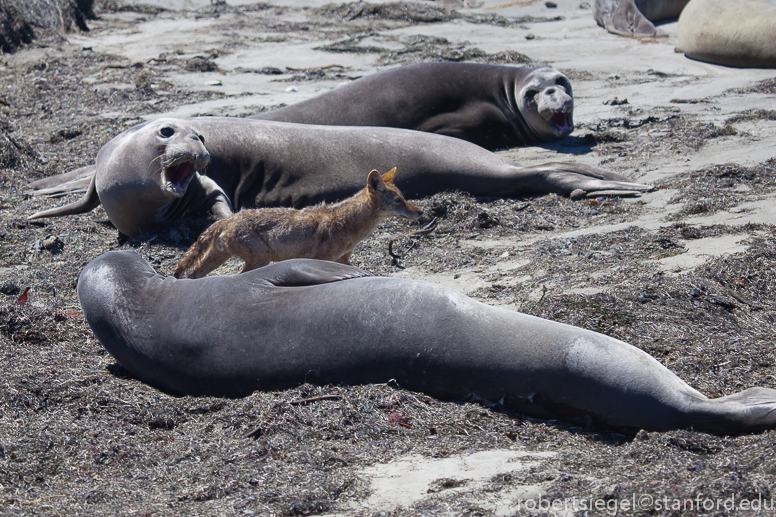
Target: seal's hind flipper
{"points": [[88, 202], [74, 181], [566, 177], [304, 272], [71, 187], [751, 410]]}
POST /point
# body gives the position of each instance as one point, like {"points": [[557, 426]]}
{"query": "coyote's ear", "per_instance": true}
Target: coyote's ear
{"points": [[374, 181], [388, 176]]}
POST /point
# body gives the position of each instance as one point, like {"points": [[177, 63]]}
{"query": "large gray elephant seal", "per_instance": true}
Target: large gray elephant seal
{"points": [[635, 17], [740, 33], [313, 321], [493, 106], [156, 171]]}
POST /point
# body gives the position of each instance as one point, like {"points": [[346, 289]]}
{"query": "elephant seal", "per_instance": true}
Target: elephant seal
{"points": [[635, 17], [305, 320], [155, 172], [741, 33], [724, 32], [493, 106]]}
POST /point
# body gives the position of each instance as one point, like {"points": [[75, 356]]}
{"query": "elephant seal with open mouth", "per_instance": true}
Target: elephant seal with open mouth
{"points": [[157, 171], [314, 321], [493, 106]]}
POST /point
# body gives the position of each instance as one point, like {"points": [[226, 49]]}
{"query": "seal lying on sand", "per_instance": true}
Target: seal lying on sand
{"points": [[492, 106], [740, 33], [735, 33], [313, 321], [155, 172], [635, 17]]}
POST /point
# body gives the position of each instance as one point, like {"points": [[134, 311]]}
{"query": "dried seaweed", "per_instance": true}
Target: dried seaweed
{"points": [[21, 21], [79, 435]]}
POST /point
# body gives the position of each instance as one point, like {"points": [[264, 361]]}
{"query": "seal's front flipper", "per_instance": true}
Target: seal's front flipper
{"points": [[73, 181], [214, 199], [565, 178], [304, 272], [622, 17], [88, 202]]}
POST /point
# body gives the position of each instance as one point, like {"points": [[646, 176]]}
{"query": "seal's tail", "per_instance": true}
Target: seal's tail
{"points": [[204, 255]]}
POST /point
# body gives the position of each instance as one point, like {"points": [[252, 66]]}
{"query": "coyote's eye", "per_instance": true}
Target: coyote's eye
{"points": [[166, 132]]}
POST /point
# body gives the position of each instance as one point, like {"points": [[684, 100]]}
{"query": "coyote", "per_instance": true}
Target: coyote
{"points": [[328, 232]]}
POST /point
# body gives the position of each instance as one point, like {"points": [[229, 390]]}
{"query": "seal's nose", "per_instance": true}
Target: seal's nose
{"points": [[201, 160]]}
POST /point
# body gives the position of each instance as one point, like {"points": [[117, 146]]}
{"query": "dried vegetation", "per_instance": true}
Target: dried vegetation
{"points": [[22, 21], [80, 436]]}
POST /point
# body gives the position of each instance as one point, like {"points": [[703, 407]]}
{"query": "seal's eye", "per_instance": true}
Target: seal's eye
{"points": [[201, 138], [166, 132], [563, 83], [530, 94]]}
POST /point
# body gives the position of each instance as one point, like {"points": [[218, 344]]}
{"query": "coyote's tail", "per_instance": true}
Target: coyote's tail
{"points": [[198, 252]]}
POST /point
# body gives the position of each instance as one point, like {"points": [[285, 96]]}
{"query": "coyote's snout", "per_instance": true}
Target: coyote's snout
{"points": [[327, 232]]}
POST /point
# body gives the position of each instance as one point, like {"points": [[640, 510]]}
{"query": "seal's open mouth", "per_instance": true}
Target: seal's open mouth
{"points": [[561, 121], [178, 175]]}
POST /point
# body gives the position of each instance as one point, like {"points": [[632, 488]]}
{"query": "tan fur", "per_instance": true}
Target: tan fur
{"points": [[326, 232]]}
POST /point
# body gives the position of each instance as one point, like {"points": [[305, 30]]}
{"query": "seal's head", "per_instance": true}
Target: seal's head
{"points": [[143, 173], [547, 104]]}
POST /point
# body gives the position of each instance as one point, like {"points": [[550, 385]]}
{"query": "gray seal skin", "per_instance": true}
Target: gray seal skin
{"points": [[157, 171], [492, 106], [740, 33], [635, 17], [314, 321]]}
